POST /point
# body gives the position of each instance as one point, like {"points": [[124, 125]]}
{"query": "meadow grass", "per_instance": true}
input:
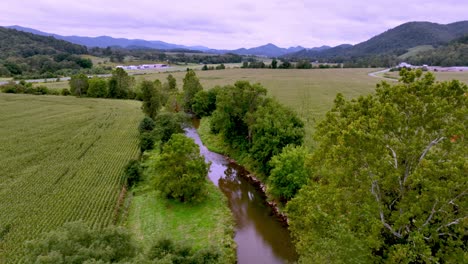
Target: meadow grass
{"points": [[201, 225], [62, 160]]}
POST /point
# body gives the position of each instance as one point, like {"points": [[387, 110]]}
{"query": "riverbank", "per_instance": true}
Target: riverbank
{"points": [[215, 143], [207, 224]]}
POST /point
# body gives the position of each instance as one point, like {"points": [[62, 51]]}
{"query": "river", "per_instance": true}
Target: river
{"points": [[260, 236]]}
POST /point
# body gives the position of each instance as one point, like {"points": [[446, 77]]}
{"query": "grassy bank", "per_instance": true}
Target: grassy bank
{"points": [[201, 225]]}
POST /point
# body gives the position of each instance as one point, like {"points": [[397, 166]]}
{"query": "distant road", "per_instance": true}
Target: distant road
{"points": [[374, 74]]}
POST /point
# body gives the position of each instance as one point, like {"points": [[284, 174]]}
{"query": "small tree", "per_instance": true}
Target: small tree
{"points": [[151, 97], [191, 87], [133, 172], [146, 125], [79, 84], [97, 87], [274, 64], [166, 124], [121, 84], [172, 83], [180, 171]]}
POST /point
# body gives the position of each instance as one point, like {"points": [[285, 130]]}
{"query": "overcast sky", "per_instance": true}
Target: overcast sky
{"points": [[229, 24]]}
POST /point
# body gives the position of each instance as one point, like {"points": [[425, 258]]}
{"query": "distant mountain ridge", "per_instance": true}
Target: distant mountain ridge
{"points": [[268, 50], [106, 41], [394, 41]]}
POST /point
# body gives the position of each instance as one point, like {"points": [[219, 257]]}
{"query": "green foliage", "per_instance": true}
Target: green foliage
{"points": [[273, 126], [26, 53], [220, 67], [180, 172], [172, 83], [166, 251], [12, 87], [289, 172], [454, 54], [151, 95], [97, 87], [79, 84], [303, 64], [166, 124], [133, 172], [233, 104], [26, 88], [391, 177], [274, 64], [76, 243], [204, 102], [285, 65], [121, 85], [191, 87], [65, 92], [146, 125], [147, 141], [250, 122]]}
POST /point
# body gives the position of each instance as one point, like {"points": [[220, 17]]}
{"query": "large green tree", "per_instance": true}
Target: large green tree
{"points": [[191, 87], [234, 108], [391, 170], [180, 172]]}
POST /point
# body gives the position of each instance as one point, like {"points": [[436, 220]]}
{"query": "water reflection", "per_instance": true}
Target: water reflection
{"points": [[260, 237]]}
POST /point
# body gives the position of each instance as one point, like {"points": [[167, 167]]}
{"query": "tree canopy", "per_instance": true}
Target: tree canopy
{"points": [[179, 170], [391, 178], [191, 87]]}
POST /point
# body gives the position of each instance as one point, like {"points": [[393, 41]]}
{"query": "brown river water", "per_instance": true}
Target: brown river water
{"points": [[260, 236]]}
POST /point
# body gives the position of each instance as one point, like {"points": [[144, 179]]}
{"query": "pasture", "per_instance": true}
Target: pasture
{"points": [[61, 160]]}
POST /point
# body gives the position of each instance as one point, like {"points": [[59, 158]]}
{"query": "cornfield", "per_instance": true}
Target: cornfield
{"points": [[61, 160]]}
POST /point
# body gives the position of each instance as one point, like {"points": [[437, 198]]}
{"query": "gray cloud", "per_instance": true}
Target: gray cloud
{"points": [[229, 24]]}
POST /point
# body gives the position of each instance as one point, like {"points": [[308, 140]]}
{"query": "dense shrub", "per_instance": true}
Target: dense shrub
{"points": [[179, 171], [133, 172], [165, 250], [146, 125], [77, 243]]}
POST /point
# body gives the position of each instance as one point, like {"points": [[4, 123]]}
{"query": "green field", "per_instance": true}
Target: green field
{"points": [[200, 225], [62, 160]]}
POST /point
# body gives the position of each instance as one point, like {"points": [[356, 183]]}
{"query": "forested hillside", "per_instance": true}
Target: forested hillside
{"points": [[384, 49], [456, 53], [26, 53]]}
